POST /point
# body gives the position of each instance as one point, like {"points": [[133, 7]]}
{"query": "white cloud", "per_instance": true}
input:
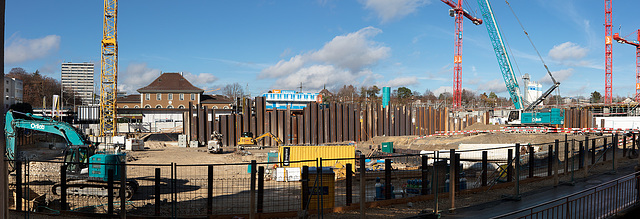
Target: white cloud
{"points": [[20, 49], [343, 60], [200, 79], [402, 81], [495, 85], [388, 10], [136, 76], [560, 76], [567, 51]]}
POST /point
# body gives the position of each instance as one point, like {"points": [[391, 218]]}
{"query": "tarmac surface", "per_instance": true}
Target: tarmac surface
{"points": [[500, 207]]}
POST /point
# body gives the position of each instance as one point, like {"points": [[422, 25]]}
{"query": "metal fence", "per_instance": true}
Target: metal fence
{"points": [[602, 201], [179, 190]]}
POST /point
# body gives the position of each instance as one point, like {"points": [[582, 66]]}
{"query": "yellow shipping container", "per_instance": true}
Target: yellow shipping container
{"points": [[289, 155]]}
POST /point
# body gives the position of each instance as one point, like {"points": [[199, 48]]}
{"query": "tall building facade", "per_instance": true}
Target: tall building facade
{"points": [[79, 78], [13, 91]]}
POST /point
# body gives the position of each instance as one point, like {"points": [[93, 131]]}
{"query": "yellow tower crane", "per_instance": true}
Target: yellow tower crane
{"points": [[109, 70]]}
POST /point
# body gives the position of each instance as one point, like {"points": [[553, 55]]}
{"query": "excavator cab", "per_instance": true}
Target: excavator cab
{"points": [[76, 158]]}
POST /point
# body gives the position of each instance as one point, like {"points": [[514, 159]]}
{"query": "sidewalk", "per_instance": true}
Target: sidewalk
{"points": [[496, 208]]}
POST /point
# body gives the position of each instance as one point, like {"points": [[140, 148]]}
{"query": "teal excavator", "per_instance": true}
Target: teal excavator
{"points": [[86, 168]]}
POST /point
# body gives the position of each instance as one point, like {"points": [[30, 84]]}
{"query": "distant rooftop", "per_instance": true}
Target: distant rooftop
{"points": [[170, 82]]}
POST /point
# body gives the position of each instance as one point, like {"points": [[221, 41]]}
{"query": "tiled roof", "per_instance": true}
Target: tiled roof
{"points": [[133, 98], [206, 98], [168, 82]]}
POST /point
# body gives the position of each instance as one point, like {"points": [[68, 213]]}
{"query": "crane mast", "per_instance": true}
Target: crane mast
{"points": [[109, 70], [501, 54], [635, 43], [608, 53], [458, 12]]}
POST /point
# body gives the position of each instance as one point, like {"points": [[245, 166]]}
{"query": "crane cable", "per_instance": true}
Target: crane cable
{"points": [[536, 49], [530, 41]]}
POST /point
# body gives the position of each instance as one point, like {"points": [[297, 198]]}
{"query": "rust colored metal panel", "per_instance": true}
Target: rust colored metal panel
{"points": [[357, 123], [192, 124], [231, 122], [348, 123], [294, 130], [339, 123], [201, 118], [206, 131], [332, 122], [274, 125], [392, 121], [253, 124], [325, 123], [300, 134], [307, 124], [411, 126], [401, 129], [364, 130], [267, 127], [281, 124], [287, 127], [214, 122], [378, 120], [260, 107], [246, 113], [238, 127], [385, 121], [313, 107], [225, 129], [320, 125]]}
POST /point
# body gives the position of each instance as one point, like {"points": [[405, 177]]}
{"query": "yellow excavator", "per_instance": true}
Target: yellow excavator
{"points": [[247, 140]]}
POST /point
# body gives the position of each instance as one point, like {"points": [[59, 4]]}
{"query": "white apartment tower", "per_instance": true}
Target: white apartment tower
{"points": [[79, 78], [13, 92]]}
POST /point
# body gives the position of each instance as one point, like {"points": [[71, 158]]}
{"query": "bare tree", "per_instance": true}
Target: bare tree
{"points": [[233, 91]]}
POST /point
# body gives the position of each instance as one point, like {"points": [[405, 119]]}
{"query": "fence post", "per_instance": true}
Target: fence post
{"points": [[614, 148], [19, 185], [387, 179], [580, 154], [517, 161], [593, 151], [550, 160], [509, 163], [484, 168], [63, 187], [624, 145], [123, 188], [452, 179], [634, 141], [531, 161], [363, 195], [566, 154], [110, 192], [425, 173], [556, 179], [157, 192], [349, 186], [209, 189], [252, 191], [305, 187], [604, 148], [260, 189]]}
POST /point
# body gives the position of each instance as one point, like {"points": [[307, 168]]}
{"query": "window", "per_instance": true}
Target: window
{"points": [[181, 107], [181, 96], [136, 106], [215, 107], [147, 97], [147, 106], [158, 97], [169, 107], [125, 106], [226, 107], [158, 106], [193, 96], [169, 96]]}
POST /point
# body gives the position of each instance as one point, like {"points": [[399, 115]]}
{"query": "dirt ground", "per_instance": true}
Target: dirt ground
{"points": [[166, 152]]}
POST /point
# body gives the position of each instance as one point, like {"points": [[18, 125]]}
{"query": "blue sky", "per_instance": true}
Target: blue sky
{"points": [[278, 44]]}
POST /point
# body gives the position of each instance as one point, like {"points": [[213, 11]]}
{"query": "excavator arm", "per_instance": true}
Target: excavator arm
{"points": [[268, 134], [38, 123]]}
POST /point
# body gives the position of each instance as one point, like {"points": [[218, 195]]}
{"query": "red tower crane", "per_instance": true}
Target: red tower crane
{"points": [[608, 62], [635, 43], [457, 11]]}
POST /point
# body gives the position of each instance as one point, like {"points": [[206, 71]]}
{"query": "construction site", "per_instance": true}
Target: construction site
{"points": [[208, 156]]}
